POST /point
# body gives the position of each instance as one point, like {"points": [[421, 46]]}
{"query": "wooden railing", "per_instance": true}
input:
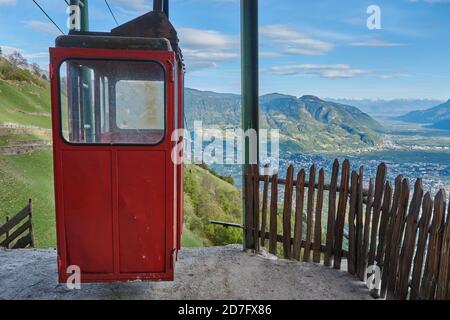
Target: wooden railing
{"points": [[17, 232], [378, 227]]}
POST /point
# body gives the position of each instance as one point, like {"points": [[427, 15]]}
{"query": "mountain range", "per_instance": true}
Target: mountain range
{"points": [[437, 117], [307, 123], [382, 109]]}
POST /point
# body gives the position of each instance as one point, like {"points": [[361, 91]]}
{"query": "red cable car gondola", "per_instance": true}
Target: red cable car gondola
{"points": [[116, 99]]}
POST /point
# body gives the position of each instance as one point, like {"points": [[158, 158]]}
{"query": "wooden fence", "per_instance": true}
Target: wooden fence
{"points": [[17, 232], [408, 239]]}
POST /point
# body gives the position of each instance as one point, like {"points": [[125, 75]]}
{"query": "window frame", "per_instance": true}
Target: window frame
{"points": [[124, 144]]}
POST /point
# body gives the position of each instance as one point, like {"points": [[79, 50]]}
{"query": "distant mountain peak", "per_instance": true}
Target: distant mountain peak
{"points": [[310, 98]]}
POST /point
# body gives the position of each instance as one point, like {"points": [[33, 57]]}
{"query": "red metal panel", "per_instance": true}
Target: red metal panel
{"points": [[180, 166], [87, 210], [142, 223], [97, 188]]}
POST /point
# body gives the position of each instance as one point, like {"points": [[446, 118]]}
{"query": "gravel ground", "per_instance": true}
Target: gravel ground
{"points": [[206, 273]]}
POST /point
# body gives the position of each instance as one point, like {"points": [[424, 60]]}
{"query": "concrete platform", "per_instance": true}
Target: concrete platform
{"points": [[206, 273]]}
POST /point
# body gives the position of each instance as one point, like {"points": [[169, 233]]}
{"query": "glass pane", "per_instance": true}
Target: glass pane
{"points": [[139, 104], [112, 102]]}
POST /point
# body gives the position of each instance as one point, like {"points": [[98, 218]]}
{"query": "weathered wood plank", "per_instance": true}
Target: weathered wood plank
{"points": [[273, 215], [409, 243], [397, 236], [264, 204], [443, 283], [389, 234], [13, 236], [318, 219], [359, 220], [377, 205], [340, 218], [299, 204], [280, 239], [331, 214], [24, 242], [309, 213], [384, 222], [256, 205], [443, 286], [431, 272], [423, 227], [351, 224], [287, 212], [15, 220], [363, 256]]}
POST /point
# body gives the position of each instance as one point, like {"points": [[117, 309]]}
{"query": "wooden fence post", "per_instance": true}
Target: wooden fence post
{"points": [[318, 219], [359, 220], [351, 224], [273, 215], [264, 206], [431, 272], [299, 204], [443, 286], [309, 217], [363, 256], [397, 236], [389, 235], [384, 222], [379, 188], [409, 242], [331, 214], [423, 227], [287, 212], [340, 218], [30, 204]]}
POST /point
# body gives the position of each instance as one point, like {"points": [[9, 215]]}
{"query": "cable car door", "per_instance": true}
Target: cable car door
{"points": [[114, 178]]}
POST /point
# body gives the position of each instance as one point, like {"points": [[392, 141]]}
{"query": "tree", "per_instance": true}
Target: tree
{"points": [[1, 52], [35, 69], [17, 59]]}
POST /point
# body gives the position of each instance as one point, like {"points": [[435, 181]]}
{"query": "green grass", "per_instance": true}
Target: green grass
{"points": [[29, 176], [25, 104]]}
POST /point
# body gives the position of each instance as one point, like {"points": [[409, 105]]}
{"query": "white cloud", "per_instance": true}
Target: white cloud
{"points": [[292, 42], [42, 26], [389, 76], [7, 50], [332, 71], [376, 43], [207, 48], [7, 2]]}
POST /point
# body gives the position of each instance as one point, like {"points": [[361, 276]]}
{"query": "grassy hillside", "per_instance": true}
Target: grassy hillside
{"points": [[29, 176]]}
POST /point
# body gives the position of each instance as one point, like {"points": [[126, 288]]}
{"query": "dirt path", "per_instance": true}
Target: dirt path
{"points": [[207, 273]]}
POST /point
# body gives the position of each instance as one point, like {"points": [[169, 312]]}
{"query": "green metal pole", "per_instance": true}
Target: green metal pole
{"points": [[250, 97], [86, 77]]}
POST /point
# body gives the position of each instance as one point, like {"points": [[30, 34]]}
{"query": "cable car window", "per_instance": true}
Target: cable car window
{"points": [[112, 102]]}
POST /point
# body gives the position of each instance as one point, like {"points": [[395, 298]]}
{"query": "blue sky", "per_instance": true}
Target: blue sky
{"points": [[320, 47]]}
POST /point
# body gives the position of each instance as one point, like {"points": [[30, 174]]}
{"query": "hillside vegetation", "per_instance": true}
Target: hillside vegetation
{"points": [[437, 117], [306, 124]]}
